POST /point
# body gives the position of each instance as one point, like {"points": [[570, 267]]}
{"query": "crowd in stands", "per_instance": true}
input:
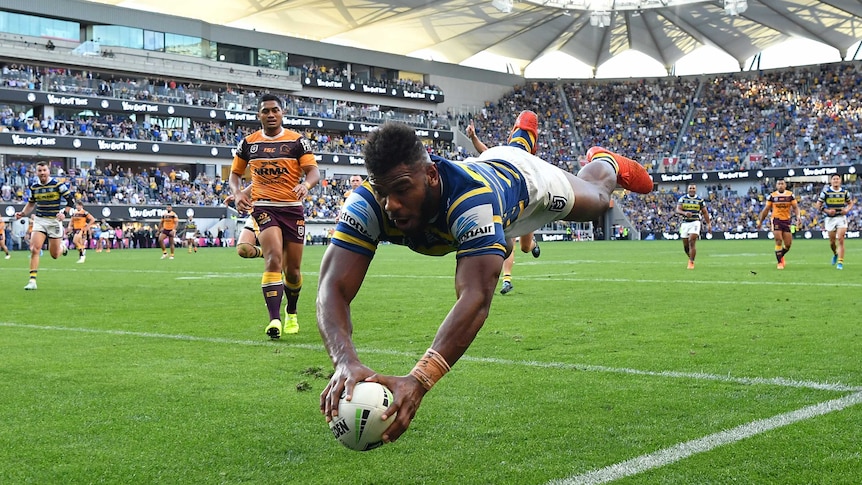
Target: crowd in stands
{"points": [[111, 185], [330, 73], [90, 83], [793, 117], [123, 127], [654, 213]]}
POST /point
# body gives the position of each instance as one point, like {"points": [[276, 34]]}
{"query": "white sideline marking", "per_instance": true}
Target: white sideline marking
{"points": [[684, 450], [772, 381], [190, 275]]}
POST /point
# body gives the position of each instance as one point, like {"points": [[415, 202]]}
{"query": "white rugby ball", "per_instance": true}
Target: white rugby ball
{"points": [[358, 425]]}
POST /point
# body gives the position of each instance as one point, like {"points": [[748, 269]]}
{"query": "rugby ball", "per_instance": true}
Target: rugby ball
{"points": [[358, 425]]}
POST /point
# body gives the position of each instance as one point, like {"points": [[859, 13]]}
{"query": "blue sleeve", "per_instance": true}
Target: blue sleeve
{"points": [[359, 223], [477, 225]]}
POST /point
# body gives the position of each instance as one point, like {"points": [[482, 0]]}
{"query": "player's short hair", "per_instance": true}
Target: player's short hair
{"points": [[270, 97], [42, 163], [391, 145]]}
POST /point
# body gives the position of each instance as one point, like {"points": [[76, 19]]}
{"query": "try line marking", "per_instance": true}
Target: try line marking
{"points": [[684, 450], [770, 381], [203, 275]]}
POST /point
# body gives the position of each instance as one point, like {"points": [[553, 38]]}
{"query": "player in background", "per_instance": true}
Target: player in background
{"points": [[168, 229], [355, 182], [835, 203], [279, 159], [781, 202], [82, 221], [247, 245], [46, 198], [435, 207], [190, 229], [103, 242], [692, 208], [3, 238], [527, 242]]}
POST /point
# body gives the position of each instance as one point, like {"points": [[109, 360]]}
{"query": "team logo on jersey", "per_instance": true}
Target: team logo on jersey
{"points": [[357, 214], [475, 223], [263, 219], [252, 149], [558, 203]]}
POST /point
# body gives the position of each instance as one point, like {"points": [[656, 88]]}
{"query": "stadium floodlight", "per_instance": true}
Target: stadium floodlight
{"points": [[735, 7], [504, 6], [600, 19]]}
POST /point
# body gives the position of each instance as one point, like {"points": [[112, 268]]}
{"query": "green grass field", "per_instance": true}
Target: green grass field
{"points": [[609, 362]]}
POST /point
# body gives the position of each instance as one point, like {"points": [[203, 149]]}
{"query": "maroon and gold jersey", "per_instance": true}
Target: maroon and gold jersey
{"points": [[781, 204], [80, 219], [169, 221], [276, 163]]}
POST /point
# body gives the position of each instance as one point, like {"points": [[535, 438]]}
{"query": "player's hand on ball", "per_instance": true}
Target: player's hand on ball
{"points": [[345, 377], [408, 393]]}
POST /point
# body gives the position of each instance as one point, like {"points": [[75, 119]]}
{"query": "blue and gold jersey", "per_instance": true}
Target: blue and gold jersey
{"points": [[49, 197], [834, 199], [691, 204], [480, 198]]}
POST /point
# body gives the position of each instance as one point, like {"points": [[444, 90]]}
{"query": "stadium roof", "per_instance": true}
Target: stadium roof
{"points": [[521, 31]]}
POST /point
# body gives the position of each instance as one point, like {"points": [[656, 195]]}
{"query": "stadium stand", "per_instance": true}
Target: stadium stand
{"points": [[795, 117]]}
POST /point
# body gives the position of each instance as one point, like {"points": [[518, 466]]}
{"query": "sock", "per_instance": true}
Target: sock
{"points": [[258, 253], [779, 252], [507, 278], [292, 293], [841, 260], [273, 292], [33, 273], [522, 139], [606, 157]]}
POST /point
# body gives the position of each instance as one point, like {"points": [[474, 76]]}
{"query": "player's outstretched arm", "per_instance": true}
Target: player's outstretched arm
{"points": [[475, 281], [474, 138], [341, 275]]}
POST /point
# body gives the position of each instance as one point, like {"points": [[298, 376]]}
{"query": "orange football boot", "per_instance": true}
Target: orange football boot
{"points": [[527, 121], [630, 174]]}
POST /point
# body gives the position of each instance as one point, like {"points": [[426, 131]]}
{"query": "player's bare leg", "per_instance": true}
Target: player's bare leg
{"points": [[292, 284]]}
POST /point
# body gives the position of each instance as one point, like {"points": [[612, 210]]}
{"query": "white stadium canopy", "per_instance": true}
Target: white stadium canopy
{"points": [[555, 38]]}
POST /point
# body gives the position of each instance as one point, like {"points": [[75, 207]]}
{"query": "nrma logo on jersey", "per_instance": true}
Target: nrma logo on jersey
{"points": [[475, 223], [359, 216]]}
